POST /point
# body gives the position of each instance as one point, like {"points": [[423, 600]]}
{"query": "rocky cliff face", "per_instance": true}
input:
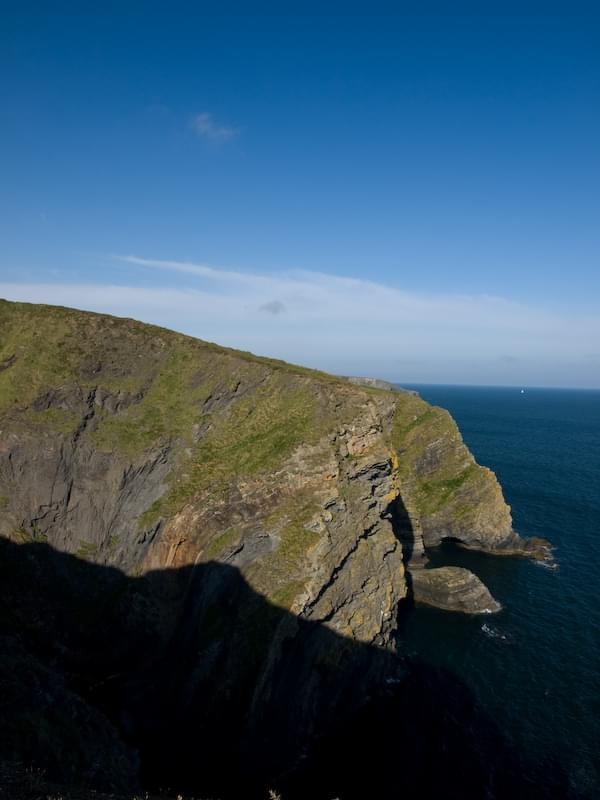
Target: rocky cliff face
{"points": [[148, 453]]}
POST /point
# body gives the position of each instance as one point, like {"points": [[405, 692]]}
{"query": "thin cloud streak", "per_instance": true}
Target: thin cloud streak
{"points": [[333, 297], [348, 325], [202, 270]]}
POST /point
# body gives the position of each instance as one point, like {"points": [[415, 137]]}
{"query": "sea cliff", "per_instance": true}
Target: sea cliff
{"points": [[201, 545]]}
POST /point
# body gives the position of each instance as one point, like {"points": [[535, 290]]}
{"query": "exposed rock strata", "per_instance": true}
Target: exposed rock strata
{"points": [[453, 589], [447, 494], [128, 446]]}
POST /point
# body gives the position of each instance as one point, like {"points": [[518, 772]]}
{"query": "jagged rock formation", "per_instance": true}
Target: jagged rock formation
{"points": [[453, 589], [134, 448]]}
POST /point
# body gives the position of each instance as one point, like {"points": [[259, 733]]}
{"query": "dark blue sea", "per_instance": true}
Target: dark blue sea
{"points": [[534, 668]]}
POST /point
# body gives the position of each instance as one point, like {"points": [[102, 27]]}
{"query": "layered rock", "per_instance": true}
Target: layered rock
{"points": [[447, 494], [250, 505], [453, 589]]}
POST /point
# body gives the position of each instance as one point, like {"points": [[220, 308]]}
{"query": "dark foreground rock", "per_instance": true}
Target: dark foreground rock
{"points": [[187, 682]]}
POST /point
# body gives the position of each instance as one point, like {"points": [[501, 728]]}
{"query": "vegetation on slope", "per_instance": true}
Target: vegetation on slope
{"points": [[440, 480], [130, 390]]}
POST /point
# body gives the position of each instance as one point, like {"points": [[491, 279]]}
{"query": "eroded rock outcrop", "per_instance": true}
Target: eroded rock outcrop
{"points": [[453, 589]]}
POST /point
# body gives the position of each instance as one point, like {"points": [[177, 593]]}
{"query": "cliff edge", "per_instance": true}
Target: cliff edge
{"points": [[142, 451]]}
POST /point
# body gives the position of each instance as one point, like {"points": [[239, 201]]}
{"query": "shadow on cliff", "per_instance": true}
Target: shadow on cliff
{"points": [[189, 681], [404, 531]]}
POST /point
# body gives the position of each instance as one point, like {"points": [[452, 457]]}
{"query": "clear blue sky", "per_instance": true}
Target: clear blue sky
{"points": [[411, 189]]}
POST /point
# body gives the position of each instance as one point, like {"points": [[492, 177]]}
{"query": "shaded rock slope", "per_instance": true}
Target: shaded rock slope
{"points": [[95, 693], [146, 453]]}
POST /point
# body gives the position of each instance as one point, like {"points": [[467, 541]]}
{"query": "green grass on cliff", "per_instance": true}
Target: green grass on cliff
{"points": [[433, 466], [286, 566], [259, 431], [43, 348], [434, 494], [225, 413]]}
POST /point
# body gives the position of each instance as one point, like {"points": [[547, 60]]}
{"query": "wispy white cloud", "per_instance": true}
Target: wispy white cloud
{"points": [[201, 270], [207, 127], [348, 325], [308, 294]]}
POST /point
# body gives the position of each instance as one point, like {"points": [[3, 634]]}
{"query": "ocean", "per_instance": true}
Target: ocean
{"points": [[534, 668]]}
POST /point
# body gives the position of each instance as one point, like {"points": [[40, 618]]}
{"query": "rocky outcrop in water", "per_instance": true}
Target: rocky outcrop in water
{"points": [[453, 589]]}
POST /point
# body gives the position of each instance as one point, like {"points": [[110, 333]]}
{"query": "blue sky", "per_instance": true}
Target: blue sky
{"points": [[409, 190]]}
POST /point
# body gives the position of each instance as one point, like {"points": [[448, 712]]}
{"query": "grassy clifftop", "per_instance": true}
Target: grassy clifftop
{"points": [[227, 414], [167, 379], [191, 448]]}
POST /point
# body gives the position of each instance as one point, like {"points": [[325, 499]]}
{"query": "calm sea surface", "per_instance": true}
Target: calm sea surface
{"points": [[535, 666]]}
